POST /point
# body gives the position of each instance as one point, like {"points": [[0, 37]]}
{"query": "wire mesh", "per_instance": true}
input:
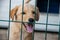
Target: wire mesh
{"points": [[34, 22]]}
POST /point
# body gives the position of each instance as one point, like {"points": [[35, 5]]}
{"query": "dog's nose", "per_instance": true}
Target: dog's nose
{"points": [[31, 20]]}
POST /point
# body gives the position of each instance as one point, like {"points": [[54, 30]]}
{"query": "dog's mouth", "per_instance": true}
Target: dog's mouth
{"points": [[29, 27]]}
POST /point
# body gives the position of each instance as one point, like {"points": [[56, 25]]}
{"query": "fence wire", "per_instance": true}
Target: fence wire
{"points": [[9, 19], [34, 22], [47, 20], [59, 24]]}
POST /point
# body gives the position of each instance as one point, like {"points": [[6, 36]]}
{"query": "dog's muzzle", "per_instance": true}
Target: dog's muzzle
{"points": [[29, 25]]}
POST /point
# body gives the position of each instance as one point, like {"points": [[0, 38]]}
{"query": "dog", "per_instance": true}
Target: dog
{"points": [[29, 15]]}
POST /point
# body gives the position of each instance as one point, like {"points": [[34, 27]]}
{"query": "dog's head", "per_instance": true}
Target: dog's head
{"points": [[29, 16]]}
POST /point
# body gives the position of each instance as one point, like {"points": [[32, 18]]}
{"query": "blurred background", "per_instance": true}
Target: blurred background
{"points": [[50, 7], [53, 13]]}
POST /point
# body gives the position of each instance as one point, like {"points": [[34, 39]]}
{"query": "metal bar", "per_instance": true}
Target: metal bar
{"points": [[34, 20], [47, 20], [9, 19], [59, 32], [59, 24], [22, 18], [27, 22]]}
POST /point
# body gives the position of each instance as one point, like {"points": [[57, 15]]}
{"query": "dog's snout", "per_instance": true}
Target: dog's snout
{"points": [[31, 20]]}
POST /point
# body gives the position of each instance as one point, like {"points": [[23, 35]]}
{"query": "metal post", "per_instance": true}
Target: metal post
{"points": [[47, 21]]}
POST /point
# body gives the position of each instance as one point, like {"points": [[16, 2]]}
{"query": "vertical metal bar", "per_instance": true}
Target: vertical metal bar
{"points": [[59, 24], [9, 19], [22, 18], [59, 32], [34, 20], [47, 20]]}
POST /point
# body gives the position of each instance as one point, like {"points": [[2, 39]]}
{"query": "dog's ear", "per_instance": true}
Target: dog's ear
{"points": [[13, 12], [37, 14], [27, 1]]}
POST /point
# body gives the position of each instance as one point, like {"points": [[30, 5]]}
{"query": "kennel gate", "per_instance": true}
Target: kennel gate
{"points": [[34, 22]]}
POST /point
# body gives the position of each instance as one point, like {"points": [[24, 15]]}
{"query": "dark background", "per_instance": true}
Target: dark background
{"points": [[53, 6]]}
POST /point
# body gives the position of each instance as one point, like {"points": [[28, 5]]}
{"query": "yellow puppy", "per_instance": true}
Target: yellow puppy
{"points": [[27, 28]]}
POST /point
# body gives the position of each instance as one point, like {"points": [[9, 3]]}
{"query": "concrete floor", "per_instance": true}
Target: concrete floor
{"points": [[37, 35]]}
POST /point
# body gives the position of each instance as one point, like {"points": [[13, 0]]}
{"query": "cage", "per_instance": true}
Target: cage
{"points": [[48, 26]]}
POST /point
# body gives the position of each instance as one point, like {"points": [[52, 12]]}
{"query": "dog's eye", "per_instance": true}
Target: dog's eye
{"points": [[23, 13], [33, 12]]}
